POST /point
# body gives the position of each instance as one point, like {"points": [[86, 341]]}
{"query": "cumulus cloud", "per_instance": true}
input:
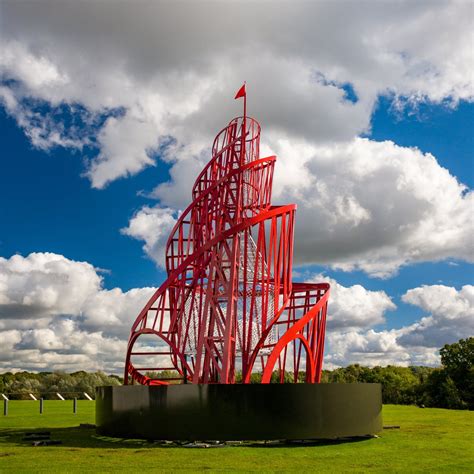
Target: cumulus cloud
{"points": [[351, 338], [373, 206], [113, 311], [451, 317], [353, 311], [362, 204], [46, 283], [55, 314], [129, 56], [372, 348], [153, 225], [355, 307], [129, 156]]}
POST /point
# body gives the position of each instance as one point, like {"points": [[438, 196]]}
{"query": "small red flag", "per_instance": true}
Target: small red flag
{"points": [[241, 93]]}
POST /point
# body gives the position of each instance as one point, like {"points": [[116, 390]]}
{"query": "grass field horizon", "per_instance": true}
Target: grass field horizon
{"points": [[430, 439]]}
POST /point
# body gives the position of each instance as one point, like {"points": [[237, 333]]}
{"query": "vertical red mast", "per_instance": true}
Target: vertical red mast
{"points": [[242, 92]]}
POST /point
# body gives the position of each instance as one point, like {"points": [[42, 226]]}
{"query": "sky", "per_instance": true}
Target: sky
{"points": [[108, 112]]}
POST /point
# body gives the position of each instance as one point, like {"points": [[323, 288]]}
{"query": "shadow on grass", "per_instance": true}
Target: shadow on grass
{"points": [[77, 437]]}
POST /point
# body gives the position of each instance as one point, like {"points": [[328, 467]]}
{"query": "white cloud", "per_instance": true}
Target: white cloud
{"points": [[451, 315], [153, 225], [451, 318], [45, 325], [354, 307], [55, 314], [113, 311], [125, 144], [46, 282], [352, 313], [366, 205], [35, 70], [372, 348], [172, 73], [443, 301], [42, 127], [373, 206]]}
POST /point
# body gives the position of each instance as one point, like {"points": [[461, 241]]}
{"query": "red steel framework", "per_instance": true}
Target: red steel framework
{"points": [[229, 305]]}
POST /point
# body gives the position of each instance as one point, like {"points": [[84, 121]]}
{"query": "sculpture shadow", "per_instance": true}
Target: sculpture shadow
{"points": [[78, 437]]}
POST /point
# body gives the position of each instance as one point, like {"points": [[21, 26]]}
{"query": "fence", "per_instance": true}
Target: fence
{"points": [[34, 397]]}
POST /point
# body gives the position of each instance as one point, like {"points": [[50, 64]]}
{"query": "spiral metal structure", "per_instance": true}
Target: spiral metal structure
{"points": [[229, 307]]}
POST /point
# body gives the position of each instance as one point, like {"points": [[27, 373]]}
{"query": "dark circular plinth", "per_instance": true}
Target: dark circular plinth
{"points": [[239, 412]]}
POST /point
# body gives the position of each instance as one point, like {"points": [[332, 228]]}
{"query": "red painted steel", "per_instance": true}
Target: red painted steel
{"points": [[228, 306]]}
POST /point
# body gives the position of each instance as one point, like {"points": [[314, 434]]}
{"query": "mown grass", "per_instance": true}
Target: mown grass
{"points": [[429, 440]]}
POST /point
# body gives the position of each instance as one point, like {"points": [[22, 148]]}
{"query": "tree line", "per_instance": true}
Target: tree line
{"points": [[448, 386], [18, 386]]}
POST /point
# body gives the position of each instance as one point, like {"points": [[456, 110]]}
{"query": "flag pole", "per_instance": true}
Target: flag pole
{"points": [[242, 92], [245, 101], [244, 125]]}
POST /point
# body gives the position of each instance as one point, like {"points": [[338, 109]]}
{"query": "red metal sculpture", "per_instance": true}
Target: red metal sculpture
{"points": [[228, 305]]}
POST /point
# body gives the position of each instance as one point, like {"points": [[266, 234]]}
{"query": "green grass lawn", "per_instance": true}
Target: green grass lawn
{"points": [[429, 440]]}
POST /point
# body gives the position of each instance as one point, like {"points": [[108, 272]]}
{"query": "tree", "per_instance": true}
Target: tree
{"points": [[441, 391], [458, 363]]}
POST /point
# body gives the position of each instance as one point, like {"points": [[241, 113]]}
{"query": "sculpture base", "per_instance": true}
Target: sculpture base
{"points": [[239, 412]]}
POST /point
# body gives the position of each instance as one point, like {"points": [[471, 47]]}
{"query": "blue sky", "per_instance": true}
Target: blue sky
{"points": [[99, 152]]}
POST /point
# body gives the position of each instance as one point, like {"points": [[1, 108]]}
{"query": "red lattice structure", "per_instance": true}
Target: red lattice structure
{"points": [[229, 306]]}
